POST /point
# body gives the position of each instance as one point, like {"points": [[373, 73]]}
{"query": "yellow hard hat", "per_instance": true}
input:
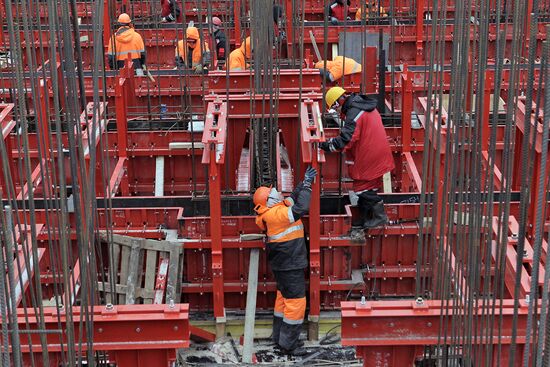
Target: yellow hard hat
{"points": [[124, 19], [333, 94]]}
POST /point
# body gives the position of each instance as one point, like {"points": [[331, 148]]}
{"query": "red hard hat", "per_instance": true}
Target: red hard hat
{"points": [[217, 21], [260, 196]]}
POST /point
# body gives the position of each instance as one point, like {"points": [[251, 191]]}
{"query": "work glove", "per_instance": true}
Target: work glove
{"points": [[309, 176], [327, 146], [198, 69], [334, 20]]}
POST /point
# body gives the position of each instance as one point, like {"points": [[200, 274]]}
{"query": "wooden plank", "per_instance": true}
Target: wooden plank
{"points": [[250, 316], [150, 269], [133, 267], [125, 258], [146, 244], [123, 289], [172, 293], [116, 258]]}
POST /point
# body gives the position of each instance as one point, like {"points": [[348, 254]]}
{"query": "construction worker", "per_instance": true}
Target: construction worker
{"points": [[238, 57], [219, 38], [170, 12], [338, 11], [190, 54], [365, 143], [337, 68], [371, 11], [287, 256], [126, 41]]}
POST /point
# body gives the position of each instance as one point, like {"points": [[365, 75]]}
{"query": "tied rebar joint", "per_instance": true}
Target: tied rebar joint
{"points": [[419, 301]]}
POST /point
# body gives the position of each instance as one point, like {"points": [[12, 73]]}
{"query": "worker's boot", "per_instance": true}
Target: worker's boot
{"points": [[357, 233], [379, 217]]}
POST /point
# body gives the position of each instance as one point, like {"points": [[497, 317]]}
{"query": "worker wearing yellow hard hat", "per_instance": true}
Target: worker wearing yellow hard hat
{"points": [[363, 139]]}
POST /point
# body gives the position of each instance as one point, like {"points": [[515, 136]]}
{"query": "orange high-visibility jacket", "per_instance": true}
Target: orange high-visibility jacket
{"points": [[371, 11], [238, 57], [181, 51], [126, 41], [340, 66]]}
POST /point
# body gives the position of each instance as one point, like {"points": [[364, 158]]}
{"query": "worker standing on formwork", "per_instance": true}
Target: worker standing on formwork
{"points": [[192, 56], [338, 11], [219, 38], [287, 255], [364, 140], [337, 68], [170, 12], [238, 57], [126, 41]]}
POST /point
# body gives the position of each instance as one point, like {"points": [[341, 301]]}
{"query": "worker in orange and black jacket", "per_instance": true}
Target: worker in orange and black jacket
{"points": [[287, 255], [126, 41], [190, 53], [239, 56], [337, 68]]}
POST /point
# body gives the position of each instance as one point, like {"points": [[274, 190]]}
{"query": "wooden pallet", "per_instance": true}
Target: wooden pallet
{"points": [[136, 283]]}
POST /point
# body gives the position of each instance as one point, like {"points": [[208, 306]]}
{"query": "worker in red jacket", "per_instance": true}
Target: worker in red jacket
{"points": [[365, 143], [170, 12], [338, 11], [287, 256]]}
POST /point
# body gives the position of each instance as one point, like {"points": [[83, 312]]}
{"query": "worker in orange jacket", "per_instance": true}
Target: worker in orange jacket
{"points": [[372, 10], [337, 68], [190, 54], [239, 56], [287, 256], [126, 41]]}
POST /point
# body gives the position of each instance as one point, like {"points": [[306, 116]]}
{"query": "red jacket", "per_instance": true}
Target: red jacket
{"points": [[337, 10], [363, 139], [170, 10]]}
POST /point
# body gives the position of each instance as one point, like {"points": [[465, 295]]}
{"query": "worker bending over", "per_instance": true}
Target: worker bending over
{"points": [[126, 41], [372, 10], [338, 11], [238, 57], [190, 54], [287, 255], [219, 38], [364, 140], [170, 12], [337, 68]]}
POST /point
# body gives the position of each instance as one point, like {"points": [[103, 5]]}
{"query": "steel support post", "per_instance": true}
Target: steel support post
{"points": [[419, 31], [311, 135], [214, 140]]}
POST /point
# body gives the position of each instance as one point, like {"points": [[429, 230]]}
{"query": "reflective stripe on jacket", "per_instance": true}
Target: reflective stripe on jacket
{"points": [[126, 41], [285, 238]]}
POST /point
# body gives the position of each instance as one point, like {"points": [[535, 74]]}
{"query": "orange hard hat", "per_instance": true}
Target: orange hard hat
{"points": [[260, 197], [124, 19], [192, 33], [217, 21]]}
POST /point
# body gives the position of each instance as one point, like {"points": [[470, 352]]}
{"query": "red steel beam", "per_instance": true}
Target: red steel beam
{"points": [[132, 335], [408, 326]]}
